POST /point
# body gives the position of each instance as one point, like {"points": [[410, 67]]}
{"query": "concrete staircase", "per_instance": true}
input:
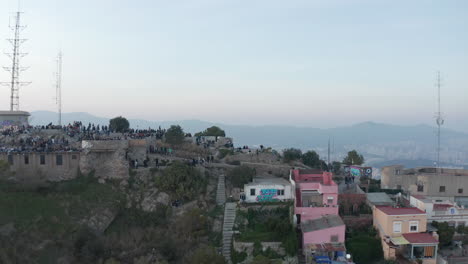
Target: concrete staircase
{"points": [[221, 191], [229, 217]]}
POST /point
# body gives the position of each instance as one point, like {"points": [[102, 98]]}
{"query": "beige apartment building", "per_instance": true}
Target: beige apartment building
{"points": [[444, 184]]}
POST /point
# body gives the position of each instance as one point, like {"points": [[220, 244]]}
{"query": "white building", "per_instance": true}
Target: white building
{"points": [[13, 118], [267, 190], [441, 210]]}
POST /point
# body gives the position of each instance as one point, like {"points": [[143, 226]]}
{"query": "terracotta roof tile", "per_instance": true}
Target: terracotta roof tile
{"points": [[389, 210], [420, 238]]}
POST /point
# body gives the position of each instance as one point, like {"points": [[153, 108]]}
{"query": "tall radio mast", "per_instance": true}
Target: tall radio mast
{"points": [[15, 56], [58, 87], [439, 120]]}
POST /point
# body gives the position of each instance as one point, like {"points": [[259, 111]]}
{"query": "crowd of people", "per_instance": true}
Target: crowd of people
{"points": [[76, 131], [38, 144]]}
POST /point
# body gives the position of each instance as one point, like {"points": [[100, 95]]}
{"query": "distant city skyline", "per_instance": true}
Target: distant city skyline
{"points": [[324, 63]]}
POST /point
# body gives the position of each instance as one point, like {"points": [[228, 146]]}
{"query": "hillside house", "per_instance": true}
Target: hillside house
{"points": [[403, 234]]}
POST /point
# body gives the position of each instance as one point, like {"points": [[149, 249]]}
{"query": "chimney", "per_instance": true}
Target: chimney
{"points": [[435, 235]]}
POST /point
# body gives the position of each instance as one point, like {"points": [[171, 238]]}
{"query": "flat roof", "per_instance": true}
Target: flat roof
{"points": [[14, 113], [389, 210], [324, 222], [268, 180], [379, 198]]}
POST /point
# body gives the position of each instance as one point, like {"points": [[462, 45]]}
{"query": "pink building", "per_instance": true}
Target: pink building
{"points": [[316, 213], [316, 194]]}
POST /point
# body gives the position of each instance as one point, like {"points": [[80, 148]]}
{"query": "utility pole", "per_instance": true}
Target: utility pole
{"points": [[15, 56], [58, 87], [439, 120]]}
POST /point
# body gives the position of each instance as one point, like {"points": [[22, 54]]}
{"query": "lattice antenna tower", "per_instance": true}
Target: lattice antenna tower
{"points": [[58, 87], [439, 119], [15, 57]]}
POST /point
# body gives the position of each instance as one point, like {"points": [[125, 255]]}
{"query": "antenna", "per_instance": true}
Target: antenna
{"points": [[58, 87], [439, 120], [15, 56], [328, 164]]}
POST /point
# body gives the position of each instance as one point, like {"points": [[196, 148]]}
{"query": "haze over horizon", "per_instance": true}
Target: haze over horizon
{"points": [[303, 63]]}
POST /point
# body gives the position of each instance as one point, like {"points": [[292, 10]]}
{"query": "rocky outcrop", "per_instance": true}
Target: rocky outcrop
{"points": [[7, 229], [152, 198], [100, 219]]}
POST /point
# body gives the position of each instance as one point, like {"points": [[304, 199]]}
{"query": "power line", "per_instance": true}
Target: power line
{"points": [[15, 57]]}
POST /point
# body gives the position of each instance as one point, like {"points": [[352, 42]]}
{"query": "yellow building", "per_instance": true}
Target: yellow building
{"points": [[404, 234]]}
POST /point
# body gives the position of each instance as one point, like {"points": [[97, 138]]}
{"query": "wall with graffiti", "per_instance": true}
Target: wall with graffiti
{"points": [[254, 193], [358, 171], [267, 195]]}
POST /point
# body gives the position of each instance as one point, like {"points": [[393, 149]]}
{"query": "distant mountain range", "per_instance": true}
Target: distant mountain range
{"points": [[381, 144]]}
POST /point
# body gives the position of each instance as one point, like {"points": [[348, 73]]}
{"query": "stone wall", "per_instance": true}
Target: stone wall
{"points": [[106, 158], [248, 247], [39, 166]]}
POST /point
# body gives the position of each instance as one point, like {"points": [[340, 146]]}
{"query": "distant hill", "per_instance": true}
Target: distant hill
{"points": [[378, 142]]}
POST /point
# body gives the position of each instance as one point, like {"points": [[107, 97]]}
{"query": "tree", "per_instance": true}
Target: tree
{"points": [[445, 232], [240, 176], [175, 135], [119, 124], [365, 248], [336, 167], [206, 255], [311, 159], [353, 158], [213, 131], [182, 181], [291, 154]]}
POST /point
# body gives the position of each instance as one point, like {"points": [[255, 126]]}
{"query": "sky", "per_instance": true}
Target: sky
{"points": [[316, 63]]}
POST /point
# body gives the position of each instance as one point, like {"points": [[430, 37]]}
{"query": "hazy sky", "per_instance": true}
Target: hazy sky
{"points": [[299, 62]]}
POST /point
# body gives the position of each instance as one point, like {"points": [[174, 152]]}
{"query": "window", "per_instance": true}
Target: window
{"points": [[42, 159], [442, 189], [460, 190], [396, 227], [26, 159], [252, 192], [10, 159], [59, 160], [398, 187], [421, 188], [413, 226], [74, 157], [280, 192], [334, 238], [397, 172], [330, 200]]}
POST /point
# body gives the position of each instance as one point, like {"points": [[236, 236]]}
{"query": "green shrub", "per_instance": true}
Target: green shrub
{"points": [[182, 181], [225, 152], [237, 257], [291, 154], [213, 131], [240, 176], [204, 254], [234, 163], [175, 135], [364, 248]]}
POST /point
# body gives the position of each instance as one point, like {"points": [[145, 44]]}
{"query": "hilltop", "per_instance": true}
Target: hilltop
{"points": [[380, 143]]}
